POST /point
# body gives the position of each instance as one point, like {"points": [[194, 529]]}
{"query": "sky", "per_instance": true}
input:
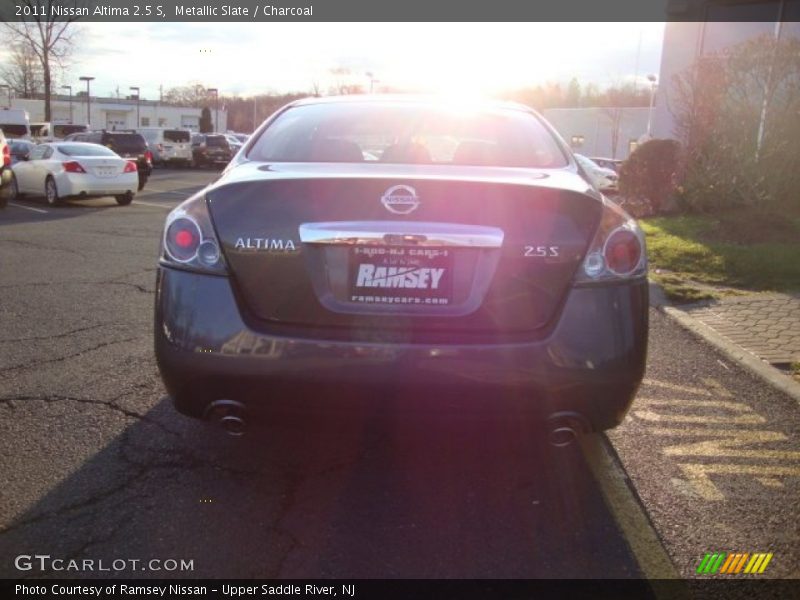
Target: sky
{"points": [[252, 58]]}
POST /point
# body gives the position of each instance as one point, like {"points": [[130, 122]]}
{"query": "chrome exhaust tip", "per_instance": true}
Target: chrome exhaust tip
{"points": [[564, 428], [229, 415], [562, 437]]}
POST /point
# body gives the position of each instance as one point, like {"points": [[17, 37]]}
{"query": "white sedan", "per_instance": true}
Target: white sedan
{"points": [[59, 170], [606, 180]]}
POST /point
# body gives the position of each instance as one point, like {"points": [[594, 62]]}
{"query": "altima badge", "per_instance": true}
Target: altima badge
{"points": [[400, 199]]}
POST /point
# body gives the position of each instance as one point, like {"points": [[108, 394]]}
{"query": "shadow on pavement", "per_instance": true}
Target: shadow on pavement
{"points": [[374, 491]]}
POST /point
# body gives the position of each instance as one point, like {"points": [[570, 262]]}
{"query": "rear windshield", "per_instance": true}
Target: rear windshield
{"points": [[179, 137], [65, 130], [16, 130], [125, 142], [150, 135], [216, 140], [84, 150], [408, 133]]}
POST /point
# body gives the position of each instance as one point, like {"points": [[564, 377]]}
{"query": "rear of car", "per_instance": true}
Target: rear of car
{"points": [[169, 146], [20, 149], [210, 149], [15, 123], [468, 250], [62, 130], [92, 170], [128, 145]]}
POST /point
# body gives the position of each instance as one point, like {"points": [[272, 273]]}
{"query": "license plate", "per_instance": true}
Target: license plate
{"points": [[401, 275], [106, 171]]}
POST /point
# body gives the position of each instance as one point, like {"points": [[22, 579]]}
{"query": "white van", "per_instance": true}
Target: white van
{"points": [[15, 123], [53, 132], [169, 146]]}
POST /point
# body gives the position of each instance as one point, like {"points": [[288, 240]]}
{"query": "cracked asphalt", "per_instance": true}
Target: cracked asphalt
{"points": [[95, 464]]}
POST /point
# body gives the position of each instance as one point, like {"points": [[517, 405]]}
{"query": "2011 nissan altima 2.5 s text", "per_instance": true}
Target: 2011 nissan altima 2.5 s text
{"points": [[383, 242]]}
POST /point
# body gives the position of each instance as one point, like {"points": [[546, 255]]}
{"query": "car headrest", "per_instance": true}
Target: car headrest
{"points": [[406, 153], [472, 152], [333, 150]]}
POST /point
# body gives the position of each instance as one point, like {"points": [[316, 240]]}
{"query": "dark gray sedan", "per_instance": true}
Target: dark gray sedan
{"points": [[403, 242]]}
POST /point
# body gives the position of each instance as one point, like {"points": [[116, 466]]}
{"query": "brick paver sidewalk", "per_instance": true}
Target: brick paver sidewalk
{"points": [[768, 325]]}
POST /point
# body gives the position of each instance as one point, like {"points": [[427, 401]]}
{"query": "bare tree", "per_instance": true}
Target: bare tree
{"points": [[343, 82], [194, 94], [614, 116], [23, 71], [50, 39]]}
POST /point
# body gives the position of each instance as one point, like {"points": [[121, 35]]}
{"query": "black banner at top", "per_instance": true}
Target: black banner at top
{"points": [[392, 10]]}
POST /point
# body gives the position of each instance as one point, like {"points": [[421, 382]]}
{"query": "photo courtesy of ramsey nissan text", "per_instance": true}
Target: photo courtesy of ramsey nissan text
{"points": [[362, 299]]}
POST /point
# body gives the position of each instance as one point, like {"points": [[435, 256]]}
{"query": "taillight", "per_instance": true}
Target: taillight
{"points": [[182, 239], [617, 250], [148, 156], [622, 252], [130, 167], [73, 166], [6, 155], [189, 238]]}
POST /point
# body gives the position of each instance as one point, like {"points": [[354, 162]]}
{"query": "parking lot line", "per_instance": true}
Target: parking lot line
{"points": [[155, 191], [167, 206], [39, 210], [639, 532]]}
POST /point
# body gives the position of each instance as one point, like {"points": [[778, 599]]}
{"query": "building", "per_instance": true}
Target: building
{"points": [[718, 25], [118, 113], [600, 132]]}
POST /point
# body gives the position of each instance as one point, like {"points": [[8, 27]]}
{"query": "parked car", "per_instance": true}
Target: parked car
{"points": [[209, 149], [605, 179], [472, 255], [241, 137], [234, 142], [6, 174], [53, 132], [609, 163], [15, 123], [125, 143], [169, 146], [59, 170], [20, 150]]}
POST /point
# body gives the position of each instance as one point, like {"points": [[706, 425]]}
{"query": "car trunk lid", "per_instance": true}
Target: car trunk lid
{"points": [[420, 254]]}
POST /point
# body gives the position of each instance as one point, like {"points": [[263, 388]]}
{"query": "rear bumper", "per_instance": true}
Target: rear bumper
{"points": [[176, 156], [79, 185], [591, 363]]}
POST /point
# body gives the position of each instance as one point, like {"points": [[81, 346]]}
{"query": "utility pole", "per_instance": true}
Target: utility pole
{"points": [[69, 87], [88, 99], [138, 119]]}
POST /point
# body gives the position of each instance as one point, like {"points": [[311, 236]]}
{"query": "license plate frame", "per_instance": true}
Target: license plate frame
{"points": [[383, 275]]}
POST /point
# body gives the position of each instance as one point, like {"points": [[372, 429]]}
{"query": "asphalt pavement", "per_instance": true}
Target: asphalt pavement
{"points": [[96, 465]]}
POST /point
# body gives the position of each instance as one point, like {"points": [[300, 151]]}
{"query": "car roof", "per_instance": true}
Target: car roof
{"points": [[419, 99]]}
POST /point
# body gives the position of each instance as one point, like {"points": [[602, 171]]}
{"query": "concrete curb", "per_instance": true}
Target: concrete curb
{"points": [[734, 352]]}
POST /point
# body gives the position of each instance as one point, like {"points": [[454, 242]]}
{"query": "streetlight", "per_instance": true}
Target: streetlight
{"points": [[8, 89], [372, 80], [88, 99], [69, 87], [215, 91], [138, 120], [652, 80]]}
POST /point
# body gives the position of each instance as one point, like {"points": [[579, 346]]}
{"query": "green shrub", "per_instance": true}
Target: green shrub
{"points": [[649, 173]]}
